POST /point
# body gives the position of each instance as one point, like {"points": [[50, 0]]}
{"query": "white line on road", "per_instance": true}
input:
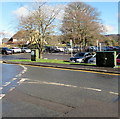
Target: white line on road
{"points": [[1, 61], [12, 88], [18, 75], [61, 84], [22, 80], [114, 93], [95, 89], [7, 83], [1, 96], [14, 79]]}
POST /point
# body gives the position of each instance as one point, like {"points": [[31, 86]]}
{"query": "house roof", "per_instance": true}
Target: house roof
{"points": [[20, 34], [5, 40]]}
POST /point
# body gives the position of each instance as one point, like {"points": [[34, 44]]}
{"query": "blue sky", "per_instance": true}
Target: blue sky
{"points": [[10, 11]]}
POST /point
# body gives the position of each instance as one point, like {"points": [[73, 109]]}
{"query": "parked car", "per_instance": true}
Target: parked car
{"points": [[107, 48], [51, 49], [91, 49], [104, 48], [16, 50], [60, 49], [111, 48], [116, 48], [76, 49], [68, 50], [92, 60], [118, 59], [25, 50], [81, 57], [6, 51]]}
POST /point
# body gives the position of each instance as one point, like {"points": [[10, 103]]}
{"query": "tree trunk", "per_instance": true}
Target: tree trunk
{"points": [[40, 55]]}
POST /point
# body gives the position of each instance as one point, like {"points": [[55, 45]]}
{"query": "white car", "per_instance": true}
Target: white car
{"points": [[92, 60], [61, 49], [16, 50], [26, 50], [81, 57]]}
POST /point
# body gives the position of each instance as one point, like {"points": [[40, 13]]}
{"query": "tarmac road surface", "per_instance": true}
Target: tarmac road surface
{"points": [[59, 56], [52, 92], [9, 77]]}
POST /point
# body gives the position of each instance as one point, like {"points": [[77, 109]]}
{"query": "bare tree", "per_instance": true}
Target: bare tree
{"points": [[81, 23], [39, 24]]}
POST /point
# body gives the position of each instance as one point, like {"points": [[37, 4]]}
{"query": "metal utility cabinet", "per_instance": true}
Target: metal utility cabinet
{"points": [[106, 58]]}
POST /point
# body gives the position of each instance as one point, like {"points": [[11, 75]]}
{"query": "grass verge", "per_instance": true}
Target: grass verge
{"points": [[51, 61], [117, 66], [56, 61]]}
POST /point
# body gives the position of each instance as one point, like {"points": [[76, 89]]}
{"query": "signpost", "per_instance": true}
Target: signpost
{"points": [[71, 48]]}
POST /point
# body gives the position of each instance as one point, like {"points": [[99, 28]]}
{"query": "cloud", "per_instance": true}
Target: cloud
{"points": [[2, 33], [58, 8], [21, 12], [47, 8], [6, 34], [62, 11], [109, 28]]}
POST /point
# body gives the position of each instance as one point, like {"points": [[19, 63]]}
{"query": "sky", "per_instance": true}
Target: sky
{"points": [[11, 10]]}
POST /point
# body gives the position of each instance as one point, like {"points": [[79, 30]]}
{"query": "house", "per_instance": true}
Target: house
{"points": [[5, 40], [19, 38]]}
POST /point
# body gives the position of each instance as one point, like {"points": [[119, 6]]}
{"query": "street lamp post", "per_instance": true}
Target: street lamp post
{"points": [[100, 46], [97, 45]]}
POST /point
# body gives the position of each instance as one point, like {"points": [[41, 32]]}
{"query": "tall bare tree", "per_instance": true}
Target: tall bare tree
{"points": [[39, 24], [81, 23]]}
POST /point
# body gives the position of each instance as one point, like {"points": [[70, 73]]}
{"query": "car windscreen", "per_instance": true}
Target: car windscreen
{"points": [[79, 54]]}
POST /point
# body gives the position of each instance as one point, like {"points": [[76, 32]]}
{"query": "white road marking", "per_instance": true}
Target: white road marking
{"points": [[94, 89], [65, 85], [61, 84], [22, 72], [114, 93], [18, 75], [22, 80], [7, 83], [12, 88], [14, 79], [1, 61], [1, 96]]}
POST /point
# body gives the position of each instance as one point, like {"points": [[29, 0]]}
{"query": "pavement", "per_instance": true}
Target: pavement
{"points": [[70, 66]]}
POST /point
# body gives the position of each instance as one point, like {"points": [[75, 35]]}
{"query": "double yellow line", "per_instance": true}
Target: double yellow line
{"points": [[79, 70]]}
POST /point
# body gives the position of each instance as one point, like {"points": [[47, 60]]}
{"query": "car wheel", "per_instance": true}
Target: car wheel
{"points": [[6, 53]]}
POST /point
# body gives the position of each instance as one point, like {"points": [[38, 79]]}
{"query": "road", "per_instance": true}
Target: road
{"points": [[10, 77], [52, 92], [59, 56]]}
